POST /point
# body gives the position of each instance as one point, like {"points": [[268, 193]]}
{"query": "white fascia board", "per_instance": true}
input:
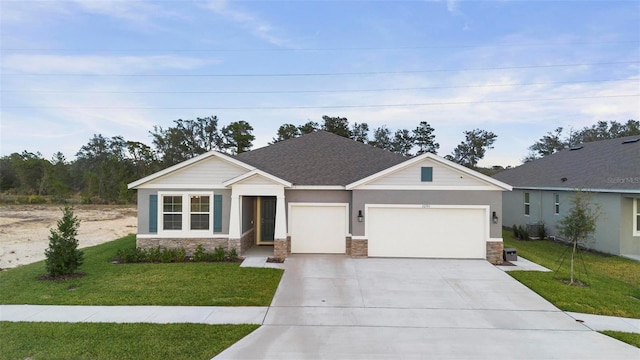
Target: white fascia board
{"points": [[181, 187], [317, 187], [435, 158], [551, 188], [259, 173], [426, 187], [186, 163]]}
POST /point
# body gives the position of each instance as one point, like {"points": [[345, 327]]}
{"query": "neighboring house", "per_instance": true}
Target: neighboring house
{"points": [[322, 193], [609, 169]]}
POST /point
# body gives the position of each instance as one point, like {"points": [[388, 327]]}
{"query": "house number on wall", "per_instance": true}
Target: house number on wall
{"points": [[426, 206]]}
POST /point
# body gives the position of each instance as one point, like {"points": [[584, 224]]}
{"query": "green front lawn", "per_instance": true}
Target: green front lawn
{"points": [[116, 341], [203, 284], [613, 283], [629, 338]]}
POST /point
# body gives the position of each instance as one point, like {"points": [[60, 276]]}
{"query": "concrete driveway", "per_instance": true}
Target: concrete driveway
{"points": [[335, 307]]}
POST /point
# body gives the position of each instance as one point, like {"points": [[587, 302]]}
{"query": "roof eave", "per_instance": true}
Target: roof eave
{"points": [[186, 163], [436, 158]]}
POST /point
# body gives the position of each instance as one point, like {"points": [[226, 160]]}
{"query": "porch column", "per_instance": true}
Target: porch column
{"points": [[280, 231], [234, 217]]}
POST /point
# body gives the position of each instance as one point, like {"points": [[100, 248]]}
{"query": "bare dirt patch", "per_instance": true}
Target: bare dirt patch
{"points": [[24, 229]]}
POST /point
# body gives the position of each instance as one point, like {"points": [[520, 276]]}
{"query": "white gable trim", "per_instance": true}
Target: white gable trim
{"points": [[186, 163], [256, 172], [457, 167]]}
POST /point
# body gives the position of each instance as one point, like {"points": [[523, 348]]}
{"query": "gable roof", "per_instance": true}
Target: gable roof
{"points": [[320, 158], [605, 166], [187, 163], [450, 164]]}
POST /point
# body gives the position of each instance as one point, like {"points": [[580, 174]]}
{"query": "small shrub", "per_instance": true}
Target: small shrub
{"points": [[516, 232], [131, 255], [62, 255], [233, 255], [154, 254], [219, 254], [199, 255], [167, 255], [542, 231], [524, 233]]}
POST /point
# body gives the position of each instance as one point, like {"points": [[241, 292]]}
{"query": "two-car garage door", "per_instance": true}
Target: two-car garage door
{"points": [[430, 232]]}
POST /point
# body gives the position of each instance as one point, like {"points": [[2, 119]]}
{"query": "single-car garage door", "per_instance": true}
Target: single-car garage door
{"points": [[318, 228], [430, 232]]}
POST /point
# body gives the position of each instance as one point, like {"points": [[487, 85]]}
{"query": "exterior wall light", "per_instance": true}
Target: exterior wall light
{"points": [[494, 217], [360, 217]]}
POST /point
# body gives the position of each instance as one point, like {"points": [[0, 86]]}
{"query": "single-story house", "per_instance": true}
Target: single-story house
{"points": [[608, 169], [322, 193]]}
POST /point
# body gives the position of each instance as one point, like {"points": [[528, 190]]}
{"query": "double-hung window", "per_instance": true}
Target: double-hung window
{"points": [[527, 204], [172, 212], [186, 213], [556, 204], [200, 212]]}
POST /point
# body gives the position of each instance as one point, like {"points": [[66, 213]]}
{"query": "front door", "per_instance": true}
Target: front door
{"points": [[267, 219]]}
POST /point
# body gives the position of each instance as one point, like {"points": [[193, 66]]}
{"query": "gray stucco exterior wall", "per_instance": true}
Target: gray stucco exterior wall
{"points": [[435, 197], [143, 207], [613, 230], [247, 212]]}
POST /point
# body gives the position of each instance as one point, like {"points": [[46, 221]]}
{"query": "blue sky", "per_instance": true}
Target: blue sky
{"points": [[71, 69]]}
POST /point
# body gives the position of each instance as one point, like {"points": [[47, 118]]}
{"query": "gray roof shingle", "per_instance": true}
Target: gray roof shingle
{"points": [[608, 165], [320, 158]]}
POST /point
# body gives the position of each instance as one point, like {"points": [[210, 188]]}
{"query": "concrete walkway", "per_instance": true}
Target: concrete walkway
{"points": [[258, 315], [135, 314]]}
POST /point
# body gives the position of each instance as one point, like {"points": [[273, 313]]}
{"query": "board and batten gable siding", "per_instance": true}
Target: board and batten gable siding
{"points": [[146, 196], [212, 171], [417, 197], [441, 176]]}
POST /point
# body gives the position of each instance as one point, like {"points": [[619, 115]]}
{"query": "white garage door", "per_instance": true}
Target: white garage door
{"points": [[318, 229], [427, 232]]}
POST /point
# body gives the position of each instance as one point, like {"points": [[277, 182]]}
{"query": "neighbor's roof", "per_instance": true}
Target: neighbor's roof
{"points": [[607, 166], [320, 158]]}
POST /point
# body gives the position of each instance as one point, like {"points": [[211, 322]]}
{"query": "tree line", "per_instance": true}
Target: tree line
{"points": [[104, 166]]}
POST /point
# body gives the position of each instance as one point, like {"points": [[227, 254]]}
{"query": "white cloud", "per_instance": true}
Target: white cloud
{"points": [[256, 25]]}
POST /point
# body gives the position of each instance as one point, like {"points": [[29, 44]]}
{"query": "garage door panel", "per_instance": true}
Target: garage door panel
{"points": [[427, 232], [318, 229]]}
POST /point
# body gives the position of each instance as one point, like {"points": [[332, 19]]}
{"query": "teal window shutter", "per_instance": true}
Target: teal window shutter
{"points": [[153, 213], [217, 213], [426, 174]]}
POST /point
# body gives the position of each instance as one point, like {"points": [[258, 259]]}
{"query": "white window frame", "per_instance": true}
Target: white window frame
{"points": [[556, 203], [527, 204], [186, 214], [636, 216]]}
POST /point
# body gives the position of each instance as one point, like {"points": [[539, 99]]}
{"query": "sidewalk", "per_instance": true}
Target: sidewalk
{"points": [[135, 314]]}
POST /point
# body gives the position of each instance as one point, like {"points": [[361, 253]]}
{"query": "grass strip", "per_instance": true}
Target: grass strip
{"points": [[629, 338], [612, 282], [188, 284], [27, 340]]}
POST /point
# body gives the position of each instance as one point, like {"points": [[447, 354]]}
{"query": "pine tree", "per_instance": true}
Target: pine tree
{"points": [[63, 256]]}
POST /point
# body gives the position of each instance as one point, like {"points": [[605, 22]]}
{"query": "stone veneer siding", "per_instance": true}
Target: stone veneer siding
{"points": [[494, 252], [359, 248], [280, 248], [348, 245], [190, 245]]}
